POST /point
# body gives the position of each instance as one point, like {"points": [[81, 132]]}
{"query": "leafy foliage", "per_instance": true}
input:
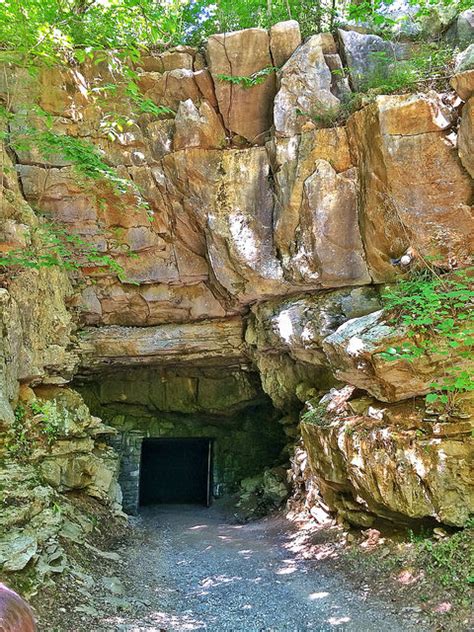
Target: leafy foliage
{"points": [[255, 79], [55, 246], [316, 414], [375, 11], [426, 65], [451, 559], [437, 312], [40, 420]]}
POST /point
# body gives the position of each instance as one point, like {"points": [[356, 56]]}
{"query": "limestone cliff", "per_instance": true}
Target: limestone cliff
{"points": [[272, 231]]}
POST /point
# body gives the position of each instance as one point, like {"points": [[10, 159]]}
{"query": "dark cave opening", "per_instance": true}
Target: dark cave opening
{"points": [[176, 471]]}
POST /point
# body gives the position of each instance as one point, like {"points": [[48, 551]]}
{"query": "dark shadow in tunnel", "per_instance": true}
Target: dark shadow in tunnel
{"points": [[176, 471]]}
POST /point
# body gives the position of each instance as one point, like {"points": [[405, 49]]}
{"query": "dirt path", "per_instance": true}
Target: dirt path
{"points": [[193, 570]]}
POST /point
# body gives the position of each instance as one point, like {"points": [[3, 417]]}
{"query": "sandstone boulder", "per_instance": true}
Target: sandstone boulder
{"points": [[463, 84], [397, 467], [317, 210], [466, 137], [229, 196], [245, 111], [331, 246], [355, 350], [169, 88], [305, 89], [285, 37], [293, 161], [298, 325], [198, 127], [414, 191], [216, 342], [286, 339]]}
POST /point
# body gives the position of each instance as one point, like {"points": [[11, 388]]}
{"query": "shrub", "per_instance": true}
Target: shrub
{"points": [[437, 312]]}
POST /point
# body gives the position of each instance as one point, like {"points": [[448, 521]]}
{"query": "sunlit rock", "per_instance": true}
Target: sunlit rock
{"points": [[285, 37], [413, 189], [398, 467], [246, 111], [305, 89], [198, 127], [466, 137]]}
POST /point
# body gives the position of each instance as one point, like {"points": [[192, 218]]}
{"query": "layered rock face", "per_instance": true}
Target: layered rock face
{"points": [[390, 462], [272, 229], [49, 442]]}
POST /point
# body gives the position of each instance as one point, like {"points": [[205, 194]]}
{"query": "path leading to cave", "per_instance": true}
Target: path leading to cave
{"points": [[195, 570]]}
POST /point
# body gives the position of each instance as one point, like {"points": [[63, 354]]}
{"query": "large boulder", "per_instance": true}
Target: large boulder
{"points": [[305, 88], [414, 191], [461, 32], [216, 342], [465, 59], [317, 210], [228, 194], [366, 55], [285, 37], [388, 462], [198, 127], [463, 84], [332, 250], [298, 325], [246, 111], [356, 354], [286, 340], [169, 88]]}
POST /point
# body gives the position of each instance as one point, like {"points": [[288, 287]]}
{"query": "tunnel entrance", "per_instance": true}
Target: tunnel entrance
{"points": [[176, 471]]}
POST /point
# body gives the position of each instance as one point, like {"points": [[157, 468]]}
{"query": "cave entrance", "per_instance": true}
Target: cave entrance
{"points": [[176, 471]]}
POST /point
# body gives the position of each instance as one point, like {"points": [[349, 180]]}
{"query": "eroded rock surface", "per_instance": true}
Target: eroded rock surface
{"points": [[251, 225], [305, 87], [216, 342], [365, 55], [389, 462], [414, 190], [246, 111]]}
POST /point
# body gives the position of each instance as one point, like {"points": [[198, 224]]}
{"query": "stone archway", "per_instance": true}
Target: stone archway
{"points": [[153, 403]]}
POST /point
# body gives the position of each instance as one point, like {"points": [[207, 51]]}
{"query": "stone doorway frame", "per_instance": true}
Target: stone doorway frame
{"points": [[129, 446]]}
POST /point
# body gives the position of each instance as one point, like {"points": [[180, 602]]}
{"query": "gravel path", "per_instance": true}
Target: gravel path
{"points": [[194, 570]]}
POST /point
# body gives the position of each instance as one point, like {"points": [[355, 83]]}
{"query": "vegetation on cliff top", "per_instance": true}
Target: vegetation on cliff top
{"points": [[48, 29]]}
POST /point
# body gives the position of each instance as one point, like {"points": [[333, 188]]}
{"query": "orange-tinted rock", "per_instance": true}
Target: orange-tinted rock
{"points": [[395, 467], [213, 342], [245, 111], [285, 37], [463, 84], [198, 127], [414, 191], [317, 209]]}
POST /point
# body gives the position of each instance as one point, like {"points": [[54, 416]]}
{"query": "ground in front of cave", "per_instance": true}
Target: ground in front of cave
{"points": [[192, 568]]}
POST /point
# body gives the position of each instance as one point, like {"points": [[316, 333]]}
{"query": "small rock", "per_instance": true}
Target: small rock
{"points": [[440, 533], [90, 610], [114, 584]]}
